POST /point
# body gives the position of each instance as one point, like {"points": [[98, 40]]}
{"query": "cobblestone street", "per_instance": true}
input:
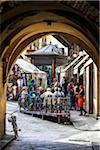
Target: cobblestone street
{"points": [[38, 134]]}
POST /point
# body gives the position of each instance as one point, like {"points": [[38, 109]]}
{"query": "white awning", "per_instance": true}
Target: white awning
{"points": [[81, 62], [86, 64], [72, 63], [75, 71], [82, 72], [28, 67]]}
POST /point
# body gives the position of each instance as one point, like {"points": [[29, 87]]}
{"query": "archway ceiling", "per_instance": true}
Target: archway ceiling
{"points": [[19, 42], [11, 9], [17, 15], [29, 35], [24, 44]]}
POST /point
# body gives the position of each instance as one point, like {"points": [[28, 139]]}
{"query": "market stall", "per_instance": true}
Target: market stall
{"points": [[32, 72]]}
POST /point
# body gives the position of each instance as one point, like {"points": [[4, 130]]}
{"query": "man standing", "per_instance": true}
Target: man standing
{"points": [[64, 85]]}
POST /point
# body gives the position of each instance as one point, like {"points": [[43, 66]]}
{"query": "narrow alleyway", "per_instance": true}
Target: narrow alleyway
{"points": [[38, 134]]}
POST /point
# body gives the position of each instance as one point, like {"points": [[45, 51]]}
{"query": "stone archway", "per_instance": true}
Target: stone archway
{"points": [[36, 30], [27, 35], [37, 24]]}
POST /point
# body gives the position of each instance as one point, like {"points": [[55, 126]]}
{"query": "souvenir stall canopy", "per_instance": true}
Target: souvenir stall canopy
{"points": [[33, 72]]}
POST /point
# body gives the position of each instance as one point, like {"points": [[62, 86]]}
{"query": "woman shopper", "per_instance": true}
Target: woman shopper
{"points": [[81, 100], [71, 94]]}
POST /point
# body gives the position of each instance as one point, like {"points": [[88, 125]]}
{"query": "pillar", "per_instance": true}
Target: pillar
{"points": [[2, 103], [87, 88], [78, 76], [53, 68], [98, 90], [91, 106]]}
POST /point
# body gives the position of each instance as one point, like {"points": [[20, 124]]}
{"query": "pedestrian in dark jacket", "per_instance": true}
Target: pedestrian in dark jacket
{"points": [[64, 85]]}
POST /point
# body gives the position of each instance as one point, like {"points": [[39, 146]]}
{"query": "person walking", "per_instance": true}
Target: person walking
{"points": [[81, 100], [64, 85], [71, 95], [22, 101], [76, 91], [47, 96], [15, 92], [61, 93], [55, 84], [31, 95], [56, 94]]}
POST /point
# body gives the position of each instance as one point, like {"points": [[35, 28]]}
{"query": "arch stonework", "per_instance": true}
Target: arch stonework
{"points": [[33, 21], [39, 28], [27, 35]]}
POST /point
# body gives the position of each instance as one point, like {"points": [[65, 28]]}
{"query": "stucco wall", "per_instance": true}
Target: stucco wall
{"points": [[95, 99], [98, 96], [87, 88], [1, 104]]}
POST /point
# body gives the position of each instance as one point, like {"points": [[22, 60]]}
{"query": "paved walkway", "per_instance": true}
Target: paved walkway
{"points": [[89, 130], [5, 141], [85, 123]]}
